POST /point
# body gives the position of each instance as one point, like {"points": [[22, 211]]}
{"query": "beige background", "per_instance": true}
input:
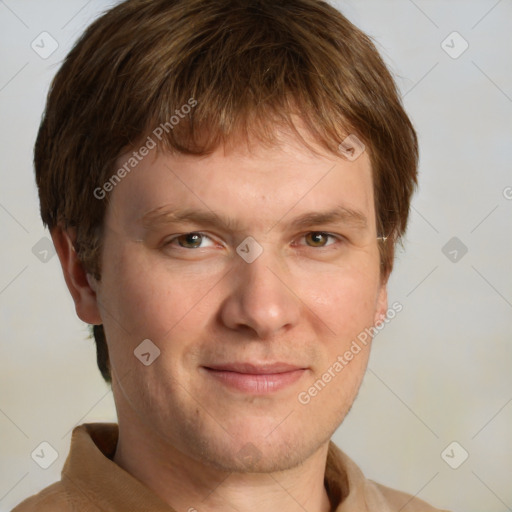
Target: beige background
{"points": [[440, 371]]}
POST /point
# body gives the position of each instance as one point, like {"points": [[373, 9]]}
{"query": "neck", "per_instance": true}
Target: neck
{"points": [[188, 485]]}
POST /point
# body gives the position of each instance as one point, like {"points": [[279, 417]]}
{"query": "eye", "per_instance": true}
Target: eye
{"points": [[197, 240], [192, 240], [319, 238]]}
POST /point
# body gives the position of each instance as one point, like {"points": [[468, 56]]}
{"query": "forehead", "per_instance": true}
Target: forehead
{"points": [[249, 183]]}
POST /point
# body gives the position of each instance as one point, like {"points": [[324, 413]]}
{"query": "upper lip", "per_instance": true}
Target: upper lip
{"points": [[255, 369]]}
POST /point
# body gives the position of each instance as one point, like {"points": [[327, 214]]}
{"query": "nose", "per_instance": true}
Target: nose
{"points": [[261, 298]]}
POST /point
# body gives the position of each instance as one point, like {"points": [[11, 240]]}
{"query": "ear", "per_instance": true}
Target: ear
{"points": [[382, 302], [80, 284]]}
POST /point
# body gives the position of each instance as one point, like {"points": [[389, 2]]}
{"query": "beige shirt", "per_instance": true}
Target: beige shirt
{"points": [[91, 481]]}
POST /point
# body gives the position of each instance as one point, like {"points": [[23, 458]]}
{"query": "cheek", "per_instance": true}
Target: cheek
{"points": [[344, 302], [145, 302], [148, 299], [344, 299]]}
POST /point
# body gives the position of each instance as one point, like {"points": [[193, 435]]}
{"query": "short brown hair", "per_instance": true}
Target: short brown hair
{"points": [[251, 65]]}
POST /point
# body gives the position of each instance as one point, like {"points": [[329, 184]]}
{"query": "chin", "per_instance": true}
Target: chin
{"points": [[251, 452], [255, 458]]}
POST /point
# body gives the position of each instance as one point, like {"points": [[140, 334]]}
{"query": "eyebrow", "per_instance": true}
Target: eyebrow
{"points": [[165, 215]]}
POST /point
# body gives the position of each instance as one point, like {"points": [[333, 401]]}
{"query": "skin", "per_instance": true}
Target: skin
{"points": [[183, 430]]}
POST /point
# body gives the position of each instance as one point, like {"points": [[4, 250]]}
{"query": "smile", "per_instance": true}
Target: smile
{"points": [[256, 379]]}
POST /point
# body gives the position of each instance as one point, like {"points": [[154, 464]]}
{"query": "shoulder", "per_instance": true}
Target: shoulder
{"points": [[51, 499], [352, 489], [398, 500]]}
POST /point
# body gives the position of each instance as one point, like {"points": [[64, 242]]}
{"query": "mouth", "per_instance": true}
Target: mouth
{"points": [[256, 379]]}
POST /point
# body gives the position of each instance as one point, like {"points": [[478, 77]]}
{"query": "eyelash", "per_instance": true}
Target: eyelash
{"points": [[338, 238]]}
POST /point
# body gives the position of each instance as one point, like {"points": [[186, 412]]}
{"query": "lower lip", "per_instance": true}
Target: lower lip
{"points": [[260, 384]]}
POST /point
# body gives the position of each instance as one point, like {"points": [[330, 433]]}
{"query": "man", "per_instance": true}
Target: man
{"points": [[224, 182]]}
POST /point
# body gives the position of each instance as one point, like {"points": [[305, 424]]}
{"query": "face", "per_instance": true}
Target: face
{"points": [[251, 271]]}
